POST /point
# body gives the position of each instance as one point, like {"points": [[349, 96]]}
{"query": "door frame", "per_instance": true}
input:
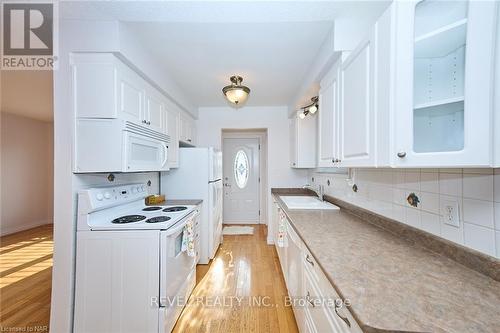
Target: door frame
{"points": [[261, 135]]}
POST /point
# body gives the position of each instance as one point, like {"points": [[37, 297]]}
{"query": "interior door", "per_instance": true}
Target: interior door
{"points": [[241, 180]]}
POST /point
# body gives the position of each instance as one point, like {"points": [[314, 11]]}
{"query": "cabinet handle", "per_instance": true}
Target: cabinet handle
{"points": [[308, 298], [145, 121], [188, 140], [401, 154], [337, 306], [309, 260], [334, 160], [149, 123]]}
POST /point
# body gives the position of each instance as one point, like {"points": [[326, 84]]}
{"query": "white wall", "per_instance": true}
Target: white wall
{"points": [[26, 173], [212, 120], [384, 191]]}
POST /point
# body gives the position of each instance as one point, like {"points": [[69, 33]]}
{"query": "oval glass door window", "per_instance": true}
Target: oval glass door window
{"points": [[241, 169]]}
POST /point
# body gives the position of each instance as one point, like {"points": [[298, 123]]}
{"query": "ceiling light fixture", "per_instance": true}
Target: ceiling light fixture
{"points": [[310, 108], [236, 93]]}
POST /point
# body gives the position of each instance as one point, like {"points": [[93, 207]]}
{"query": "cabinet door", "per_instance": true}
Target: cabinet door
{"points": [[444, 116], [173, 132], [131, 96], [292, 129], [357, 117], [187, 130], [94, 86], [156, 114], [328, 129]]}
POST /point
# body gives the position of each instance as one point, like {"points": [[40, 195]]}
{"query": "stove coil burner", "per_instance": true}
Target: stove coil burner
{"points": [[151, 209], [128, 219], [158, 219], [174, 209]]}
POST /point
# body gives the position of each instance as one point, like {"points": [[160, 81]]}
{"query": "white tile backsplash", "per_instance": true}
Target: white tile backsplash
{"points": [[384, 191], [480, 238], [478, 186], [429, 182], [450, 184], [429, 202], [413, 217], [479, 212], [431, 223]]}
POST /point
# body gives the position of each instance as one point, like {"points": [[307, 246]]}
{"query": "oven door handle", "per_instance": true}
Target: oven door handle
{"points": [[180, 225]]}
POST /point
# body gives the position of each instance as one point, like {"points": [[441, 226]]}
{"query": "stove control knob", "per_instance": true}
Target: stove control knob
{"points": [[138, 188], [133, 190], [107, 195], [99, 196], [142, 188]]}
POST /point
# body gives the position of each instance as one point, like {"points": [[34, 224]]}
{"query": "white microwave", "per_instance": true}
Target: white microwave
{"points": [[114, 145]]}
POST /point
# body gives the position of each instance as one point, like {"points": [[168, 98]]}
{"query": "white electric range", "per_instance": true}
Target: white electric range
{"points": [[132, 272]]}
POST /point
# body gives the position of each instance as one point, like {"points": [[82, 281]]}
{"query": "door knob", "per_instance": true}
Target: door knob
{"points": [[401, 154]]}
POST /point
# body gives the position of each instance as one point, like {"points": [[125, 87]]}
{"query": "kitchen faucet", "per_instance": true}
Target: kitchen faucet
{"points": [[319, 190]]}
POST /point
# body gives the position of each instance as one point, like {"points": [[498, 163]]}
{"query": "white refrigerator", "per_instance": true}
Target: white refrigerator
{"points": [[199, 176]]}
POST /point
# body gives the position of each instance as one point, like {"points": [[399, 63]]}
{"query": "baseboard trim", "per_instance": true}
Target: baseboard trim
{"points": [[4, 231]]}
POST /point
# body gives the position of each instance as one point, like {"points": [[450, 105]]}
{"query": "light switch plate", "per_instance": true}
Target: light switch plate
{"points": [[450, 212]]}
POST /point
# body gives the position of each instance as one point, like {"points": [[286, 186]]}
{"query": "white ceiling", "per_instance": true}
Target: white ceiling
{"points": [[27, 93], [272, 58], [200, 44]]}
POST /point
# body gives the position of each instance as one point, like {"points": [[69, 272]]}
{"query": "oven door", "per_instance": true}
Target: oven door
{"points": [[175, 264], [143, 153]]}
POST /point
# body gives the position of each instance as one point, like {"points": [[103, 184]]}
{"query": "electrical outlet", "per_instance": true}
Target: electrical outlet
{"points": [[450, 212]]}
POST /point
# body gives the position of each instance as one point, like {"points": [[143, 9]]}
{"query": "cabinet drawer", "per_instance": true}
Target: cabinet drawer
{"points": [[317, 308], [343, 319]]}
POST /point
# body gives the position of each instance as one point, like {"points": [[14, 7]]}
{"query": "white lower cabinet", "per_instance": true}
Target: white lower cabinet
{"points": [[316, 305]]}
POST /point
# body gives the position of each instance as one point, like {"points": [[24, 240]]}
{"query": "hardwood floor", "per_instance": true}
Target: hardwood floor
{"points": [[242, 290], [26, 280]]}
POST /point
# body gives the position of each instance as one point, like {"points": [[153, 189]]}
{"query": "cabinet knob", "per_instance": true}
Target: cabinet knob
{"points": [[402, 154], [309, 260], [144, 121], [149, 123]]}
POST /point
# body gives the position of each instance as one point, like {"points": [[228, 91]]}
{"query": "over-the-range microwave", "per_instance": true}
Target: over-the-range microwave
{"points": [[116, 145]]}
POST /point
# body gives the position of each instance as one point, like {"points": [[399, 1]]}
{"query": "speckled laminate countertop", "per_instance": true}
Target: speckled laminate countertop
{"points": [[395, 285]]}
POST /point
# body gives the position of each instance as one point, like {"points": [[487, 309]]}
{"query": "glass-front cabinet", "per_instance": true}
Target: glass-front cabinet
{"points": [[444, 86]]}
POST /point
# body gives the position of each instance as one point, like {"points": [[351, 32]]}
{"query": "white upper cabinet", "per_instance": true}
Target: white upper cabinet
{"points": [[303, 141], [130, 97], [328, 118], [156, 115], [444, 71], [357, 111], [106, 88]]}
